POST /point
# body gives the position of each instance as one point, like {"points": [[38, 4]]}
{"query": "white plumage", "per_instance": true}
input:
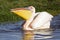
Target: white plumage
{"points": [[42, 21]]}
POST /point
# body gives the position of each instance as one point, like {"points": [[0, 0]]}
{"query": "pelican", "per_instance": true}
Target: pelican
{"points": [[39, 20], [34, 20]]}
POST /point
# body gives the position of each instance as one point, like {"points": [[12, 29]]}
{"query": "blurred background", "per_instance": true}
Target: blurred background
{"points": [[51, 6]]}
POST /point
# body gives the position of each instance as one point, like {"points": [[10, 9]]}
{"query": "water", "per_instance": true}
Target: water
{"points": [[48, 35], [38, 35], [11, 36], [13, 31]]}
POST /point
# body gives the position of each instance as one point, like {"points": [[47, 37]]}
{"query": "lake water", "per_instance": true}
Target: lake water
{"points": [[29, 35], [13, 31]]}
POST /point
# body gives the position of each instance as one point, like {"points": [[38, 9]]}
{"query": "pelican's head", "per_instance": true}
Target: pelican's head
{"points": [[31, 8]]}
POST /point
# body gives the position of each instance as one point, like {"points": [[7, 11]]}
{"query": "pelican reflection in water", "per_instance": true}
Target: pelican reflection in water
{"points": [[38, 34], [28, 35]]}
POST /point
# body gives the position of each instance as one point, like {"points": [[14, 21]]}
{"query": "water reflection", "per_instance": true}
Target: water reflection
{"points": [[43, 34], [28, 35], [38, 34]]}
